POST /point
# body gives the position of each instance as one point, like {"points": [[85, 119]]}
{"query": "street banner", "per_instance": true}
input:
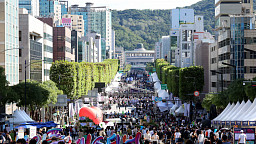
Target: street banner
{"points": [[228, 123], [32, 131], [233, 123], [223, 123], [238, 123], [250, 133], [245, 123], [252, 123], [21, 132]]}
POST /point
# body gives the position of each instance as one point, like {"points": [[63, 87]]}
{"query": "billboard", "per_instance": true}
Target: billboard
{"points": [[67, 22]]}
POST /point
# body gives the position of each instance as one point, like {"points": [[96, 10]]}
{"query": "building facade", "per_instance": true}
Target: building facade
{"points": [[157, 50], [77, 22], [233, 53], [78, 44], [52, 9], [62, 44], [183, 26], [36, 38], [31, 5], [96, 19], [119, 54], [139, 57], [9, 42], [93, 47]]}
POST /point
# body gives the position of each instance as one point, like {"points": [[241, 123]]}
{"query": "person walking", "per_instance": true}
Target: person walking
{"points": [[242, 138], [147, 137], [201, 137], [155, 138]]}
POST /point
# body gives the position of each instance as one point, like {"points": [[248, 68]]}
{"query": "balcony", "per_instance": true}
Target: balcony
{"points": [[225, 49]]}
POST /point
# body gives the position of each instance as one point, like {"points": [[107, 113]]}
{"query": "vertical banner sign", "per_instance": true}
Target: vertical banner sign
{"points": [[32, 131], [21, 132]]}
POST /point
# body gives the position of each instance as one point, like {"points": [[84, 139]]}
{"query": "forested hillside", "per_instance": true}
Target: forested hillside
{"points": [[148, 26]]}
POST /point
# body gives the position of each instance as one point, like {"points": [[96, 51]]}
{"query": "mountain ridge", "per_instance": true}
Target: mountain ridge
{"points": [[148, 26]]}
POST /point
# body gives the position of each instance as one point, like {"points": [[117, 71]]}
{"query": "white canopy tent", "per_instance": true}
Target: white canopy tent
{"points": [[19, 116], [239, 112], [180, 110], [154, 77], [163, 94], [157, 86]]}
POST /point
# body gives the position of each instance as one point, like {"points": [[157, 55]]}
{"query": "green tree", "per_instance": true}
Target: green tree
{"points": [[53, 91], [190, 79], [250, 91], [236, 91], [36, 95]]}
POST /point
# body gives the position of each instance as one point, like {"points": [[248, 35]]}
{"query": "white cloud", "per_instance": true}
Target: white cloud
{"points": [[137, 4]]}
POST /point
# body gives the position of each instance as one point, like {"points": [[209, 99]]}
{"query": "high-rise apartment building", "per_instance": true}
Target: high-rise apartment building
{"points": [[31, 5], [36, 38], [77, 22], [233, 53], [62, 44], [64, 7], [96, 19], [52, 9], [9, 42], [184, 24]]}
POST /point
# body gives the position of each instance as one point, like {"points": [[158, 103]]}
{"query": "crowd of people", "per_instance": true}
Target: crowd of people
{"points": [[155, 126]]}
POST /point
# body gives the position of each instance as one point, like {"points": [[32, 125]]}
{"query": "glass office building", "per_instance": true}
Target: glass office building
{"points": [[240, 38], [9, 34], [31, 5]]}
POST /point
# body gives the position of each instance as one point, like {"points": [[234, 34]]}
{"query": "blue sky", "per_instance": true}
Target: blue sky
{"points": [[137, 4]]}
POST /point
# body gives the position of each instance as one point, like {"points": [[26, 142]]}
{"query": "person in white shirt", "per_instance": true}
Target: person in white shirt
{"points": [[242, 138], [155, 138], [177, 135], [209, 132], [201, 138], [147, 137]]}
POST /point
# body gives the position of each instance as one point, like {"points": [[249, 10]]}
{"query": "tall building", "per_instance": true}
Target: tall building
{"points": [[62, 44], [93, 47], [96, 19], [78, 44], [77, 22], [233, 53], [119, 54], [113, 49], [9, 43], [202, 57], [184, 24], [64, 7], [52, 9], [165, 47], [31, 5], [157, 50], [36, 38]]}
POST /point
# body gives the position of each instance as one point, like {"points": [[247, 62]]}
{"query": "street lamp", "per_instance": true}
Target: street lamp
{"points": [[11, 49], [231, 66], [26, 80], [222, 82]]}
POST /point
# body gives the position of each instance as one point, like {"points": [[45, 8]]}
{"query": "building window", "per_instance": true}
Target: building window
{"points": [[252, 55], [213, 84], [20, 53], [19, 35], [252, 69]]}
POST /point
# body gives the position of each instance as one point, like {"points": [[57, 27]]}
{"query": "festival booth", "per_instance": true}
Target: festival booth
{"points": [[154, 77], [238, 115], [19, 116]]}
